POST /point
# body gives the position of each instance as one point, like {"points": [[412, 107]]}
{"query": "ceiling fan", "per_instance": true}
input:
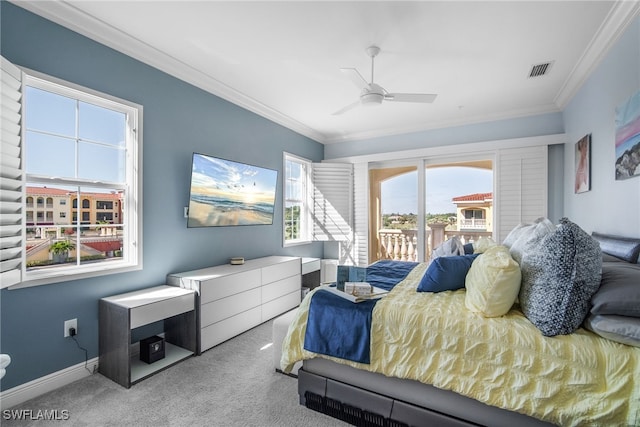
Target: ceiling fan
{"points": [[373, 94]]}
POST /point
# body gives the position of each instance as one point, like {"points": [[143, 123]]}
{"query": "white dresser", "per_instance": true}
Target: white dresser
{"points": [[235, 298]]}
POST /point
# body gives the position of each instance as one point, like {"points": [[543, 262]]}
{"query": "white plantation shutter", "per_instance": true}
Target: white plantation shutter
{"points": [[361, 213], [332, 202], [521, 187], [11, 176]]}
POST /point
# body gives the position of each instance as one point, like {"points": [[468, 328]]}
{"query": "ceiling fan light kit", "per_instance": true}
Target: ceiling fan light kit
{"points": [[373, 94]]}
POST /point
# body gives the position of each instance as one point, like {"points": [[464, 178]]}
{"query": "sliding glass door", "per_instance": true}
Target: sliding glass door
{"points": [[415, 206]]}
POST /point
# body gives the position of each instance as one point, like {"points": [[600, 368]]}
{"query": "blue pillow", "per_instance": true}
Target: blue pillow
{"points": [[446, 273]]}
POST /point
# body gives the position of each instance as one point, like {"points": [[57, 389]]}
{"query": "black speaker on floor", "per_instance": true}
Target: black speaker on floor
{"points": [[152, 349]]}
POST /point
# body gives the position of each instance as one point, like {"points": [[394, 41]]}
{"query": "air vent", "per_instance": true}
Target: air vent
{"points": [[540, 69]]}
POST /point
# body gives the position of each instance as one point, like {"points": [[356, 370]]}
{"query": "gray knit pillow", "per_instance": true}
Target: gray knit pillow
{"points": [[559, 277]]}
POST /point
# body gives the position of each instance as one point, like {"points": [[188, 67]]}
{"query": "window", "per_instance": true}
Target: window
{"points": [[76, 144], [318, 202], [474, 214], [296, 200]]}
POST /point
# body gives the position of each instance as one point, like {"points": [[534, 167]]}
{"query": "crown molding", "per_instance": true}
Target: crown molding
{"points": [[70, 17], [621, 15]]}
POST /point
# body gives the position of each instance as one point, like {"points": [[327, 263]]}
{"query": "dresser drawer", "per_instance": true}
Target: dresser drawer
{"points": [[219, 332], [228, 285], [278, 306], [223, 308], [149, 313], [281, 287], [280, 270]]}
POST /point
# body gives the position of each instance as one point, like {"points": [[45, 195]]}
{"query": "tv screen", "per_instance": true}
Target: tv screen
{"points": [[225, 193]]}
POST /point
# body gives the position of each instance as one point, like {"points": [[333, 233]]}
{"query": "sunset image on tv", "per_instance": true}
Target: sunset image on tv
{"points": [[225, 193]]}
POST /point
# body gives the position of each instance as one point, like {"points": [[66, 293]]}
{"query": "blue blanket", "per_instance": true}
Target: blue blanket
{"points": [[340, 328], [386, 274]]}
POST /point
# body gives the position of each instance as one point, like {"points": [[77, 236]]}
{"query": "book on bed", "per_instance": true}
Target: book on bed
{"points": [[358, 291], [350, 273]]}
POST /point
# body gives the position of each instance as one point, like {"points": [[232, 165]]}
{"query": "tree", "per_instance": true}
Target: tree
{"points": [[60, 250]]}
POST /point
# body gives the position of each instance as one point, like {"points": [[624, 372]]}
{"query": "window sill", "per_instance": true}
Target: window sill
{"points": [[35, 279], [296, 243]]}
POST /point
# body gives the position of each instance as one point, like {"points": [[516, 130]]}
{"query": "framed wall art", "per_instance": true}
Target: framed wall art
{"points": [[628, 139], [583, 165]]}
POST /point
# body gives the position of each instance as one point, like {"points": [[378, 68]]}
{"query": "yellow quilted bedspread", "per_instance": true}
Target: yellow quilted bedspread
{"points": [[570, 380]]}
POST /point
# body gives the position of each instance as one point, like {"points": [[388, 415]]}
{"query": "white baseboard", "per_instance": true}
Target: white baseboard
{"points": [[22, 393]]}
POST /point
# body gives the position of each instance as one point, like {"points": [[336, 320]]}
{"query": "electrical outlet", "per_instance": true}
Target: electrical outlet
{"points": [[68, 324]]}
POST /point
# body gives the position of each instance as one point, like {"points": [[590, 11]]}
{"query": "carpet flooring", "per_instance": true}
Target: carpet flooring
{"points": [[232, 384]]}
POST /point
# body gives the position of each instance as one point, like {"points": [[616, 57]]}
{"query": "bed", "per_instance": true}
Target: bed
{"points": [[436, 361]]}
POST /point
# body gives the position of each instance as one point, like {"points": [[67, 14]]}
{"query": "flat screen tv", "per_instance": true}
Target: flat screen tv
{"points": [[225, 193]]}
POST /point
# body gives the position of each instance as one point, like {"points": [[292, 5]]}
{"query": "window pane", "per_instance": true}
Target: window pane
{"points": [[294, 190], [103, 238], [102, 125], [450, 189], [48, 112], [394, 233], [292, 221], [101, 163], [294, 170], [99, 238], [49, 155], [296, 214]]}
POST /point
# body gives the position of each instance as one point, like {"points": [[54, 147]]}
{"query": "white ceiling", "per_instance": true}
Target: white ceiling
{"points": [[282, 60]]}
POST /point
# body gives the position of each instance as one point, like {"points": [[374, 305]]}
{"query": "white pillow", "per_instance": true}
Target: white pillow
{"points": [[492, 283], [451, 247], [524, 237]]}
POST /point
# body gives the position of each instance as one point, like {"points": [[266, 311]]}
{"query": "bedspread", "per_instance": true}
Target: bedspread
{"points": [[570, 380], [338, 327]]}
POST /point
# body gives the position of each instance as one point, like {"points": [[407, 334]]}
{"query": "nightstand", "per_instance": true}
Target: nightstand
{"points": [[120, 314]]}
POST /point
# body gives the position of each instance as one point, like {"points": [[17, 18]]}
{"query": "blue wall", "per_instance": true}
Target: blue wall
{"points": [[178, 120], [611, 206]]}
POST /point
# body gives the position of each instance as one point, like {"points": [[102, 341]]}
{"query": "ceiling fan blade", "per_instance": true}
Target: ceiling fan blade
{"points": [[410, 97], [347, 108], [355, 77]]}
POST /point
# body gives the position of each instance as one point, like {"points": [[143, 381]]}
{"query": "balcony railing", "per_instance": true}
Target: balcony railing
{"points": [[399, 245], [473, 224], [402, 245]]}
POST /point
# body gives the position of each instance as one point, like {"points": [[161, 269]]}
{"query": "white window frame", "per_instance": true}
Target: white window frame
{"points": [[132, 216], [306, 203]]}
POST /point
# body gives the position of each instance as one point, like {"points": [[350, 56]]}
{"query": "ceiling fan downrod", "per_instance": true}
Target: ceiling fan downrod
{"points": [[372, 51]]}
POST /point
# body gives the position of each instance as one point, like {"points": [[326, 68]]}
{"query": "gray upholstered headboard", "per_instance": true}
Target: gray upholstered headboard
{"points": [[625, 248]]}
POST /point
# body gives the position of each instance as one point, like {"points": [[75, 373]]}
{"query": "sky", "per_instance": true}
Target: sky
{"points": [[400, 194], [54, 122]]}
